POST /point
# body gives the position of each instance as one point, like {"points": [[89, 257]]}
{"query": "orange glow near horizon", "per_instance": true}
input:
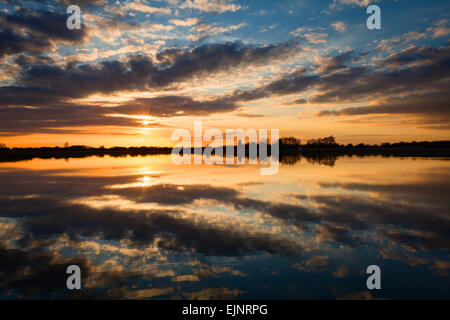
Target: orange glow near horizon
{"points": [[162, 139], [149, 133]]}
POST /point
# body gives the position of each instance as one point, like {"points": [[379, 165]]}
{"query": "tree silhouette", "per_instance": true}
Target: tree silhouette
{"points": [[328, 141], [290, 141]]}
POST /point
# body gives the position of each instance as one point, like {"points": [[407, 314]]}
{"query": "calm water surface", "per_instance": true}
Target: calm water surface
{"points": [[143, 228]]}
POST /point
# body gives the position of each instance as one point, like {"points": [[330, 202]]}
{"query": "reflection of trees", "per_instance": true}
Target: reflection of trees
{"points": [[326, 160], [290, 159]]}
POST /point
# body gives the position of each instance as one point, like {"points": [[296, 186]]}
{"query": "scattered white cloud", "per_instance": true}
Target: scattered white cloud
{"points": [[399, 41], [299, 31], [211, 6], [312, 37], [361, 3], [441, 29], [273, 26], [316, 38], [139, 6], [204, 30], [185, 23], [339, 26]]}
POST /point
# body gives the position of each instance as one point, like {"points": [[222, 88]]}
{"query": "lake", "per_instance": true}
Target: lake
{"points": [[144, 228]]}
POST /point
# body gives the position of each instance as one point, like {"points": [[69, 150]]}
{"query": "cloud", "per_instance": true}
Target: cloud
{"points": [[211, 6], [273, 26], [360, 82], [327, 232], [339, 26], [27, 30], [299, 31], [312, 37], [295, 82], [441, 29], [82, 3], [170, 194], [204, 30], [361, 3], [343, 82], [39, 102], [49, 119], [337, 80], [316, 263], [315, 37], [33, 273], [394, 42], [249, 115], [11, 43], [428, 106], [147, 293], [43, 89], [137, 72], [340, 62], [415, 56], [440, 32], [175, 230], [185, 23], [170, 106], [341, 272], [421, 230], [43, 23], [141, 7], [214, 294]]}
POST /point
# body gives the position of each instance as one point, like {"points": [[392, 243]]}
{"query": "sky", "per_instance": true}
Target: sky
{"points": [[138, 70]]}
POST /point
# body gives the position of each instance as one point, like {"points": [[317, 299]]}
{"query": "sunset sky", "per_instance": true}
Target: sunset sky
{"points": [[138, 70]]}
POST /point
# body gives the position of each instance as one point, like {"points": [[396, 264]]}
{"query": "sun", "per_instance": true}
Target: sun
{"points": [[145, 123]]}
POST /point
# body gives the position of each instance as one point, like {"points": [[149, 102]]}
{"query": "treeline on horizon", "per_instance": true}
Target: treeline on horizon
{"points": [[330, 143], [288, 146]]}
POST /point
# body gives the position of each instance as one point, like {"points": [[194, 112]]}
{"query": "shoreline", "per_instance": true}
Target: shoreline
{"points": [[413, 149]]}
